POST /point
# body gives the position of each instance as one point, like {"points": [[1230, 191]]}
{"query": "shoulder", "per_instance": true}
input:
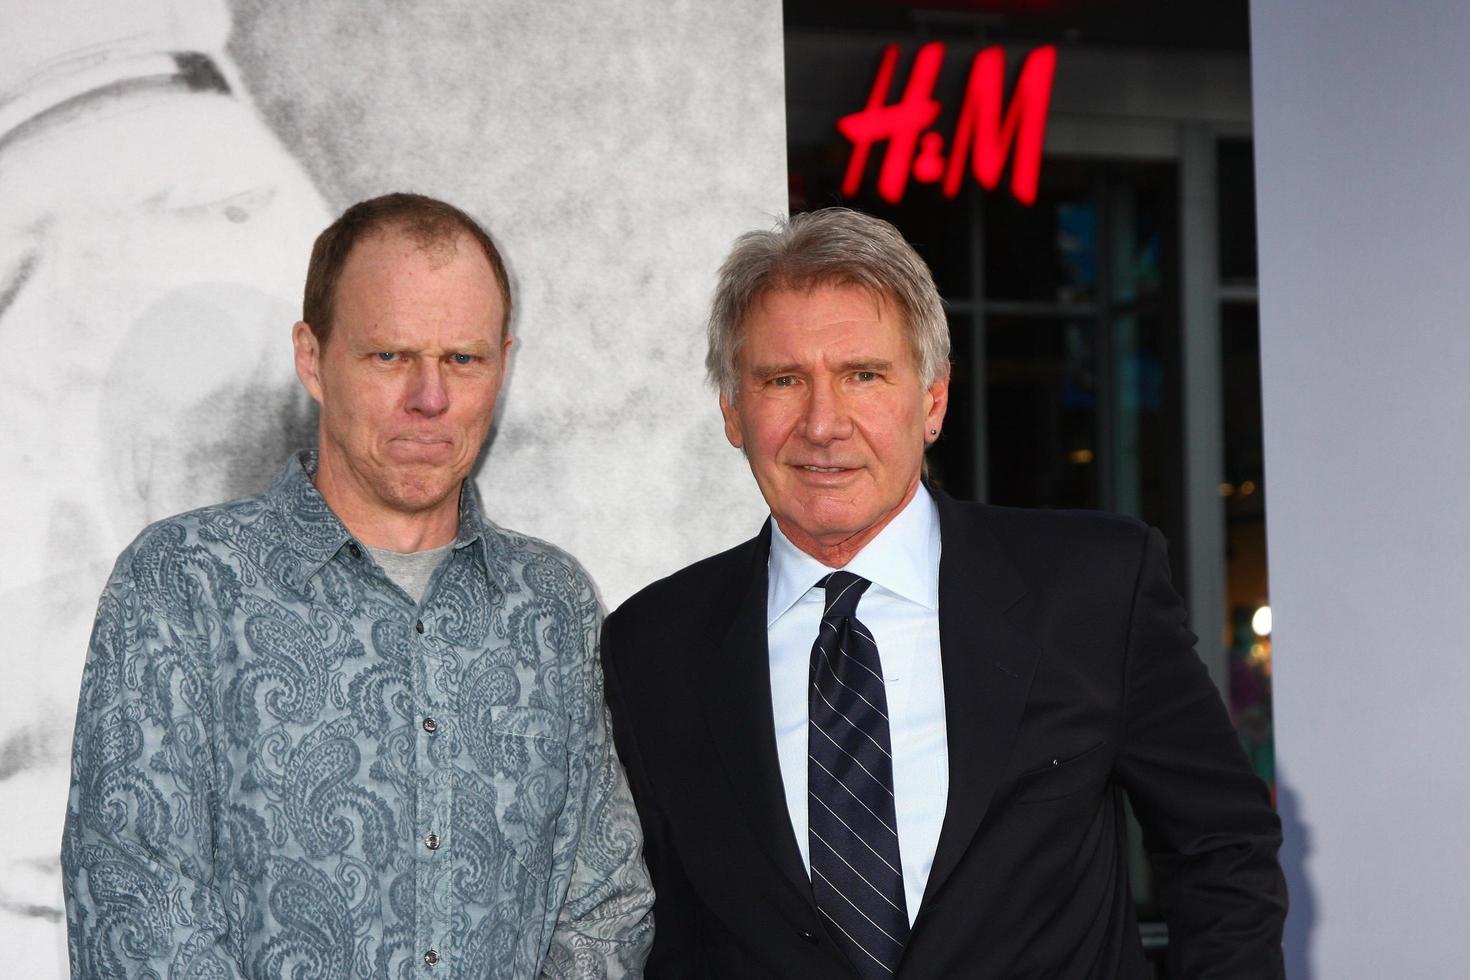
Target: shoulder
{"points": [[705, 591], [214, 527], [1061, 528], [1047, 543], [183, 561], [536, 568]]}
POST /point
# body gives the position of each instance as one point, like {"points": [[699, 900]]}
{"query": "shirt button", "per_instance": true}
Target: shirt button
{"points": [[354, 550], [430, 725], [432, 842], [418, 627], [808, 935], [431, 957]]}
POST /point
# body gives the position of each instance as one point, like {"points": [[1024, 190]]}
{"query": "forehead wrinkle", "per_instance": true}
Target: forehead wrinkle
{"points": [[403, 304], [420, 331]]}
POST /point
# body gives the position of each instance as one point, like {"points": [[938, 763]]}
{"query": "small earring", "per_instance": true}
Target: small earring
{"points": [[934, 432]]}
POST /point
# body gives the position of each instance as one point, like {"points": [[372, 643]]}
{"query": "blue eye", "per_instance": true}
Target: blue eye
{"points": [[785, 381], [387, 355], [464, 358], [867, 375]]}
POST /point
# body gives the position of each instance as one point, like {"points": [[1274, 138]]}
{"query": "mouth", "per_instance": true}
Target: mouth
{"points": [[814, 471], [419, 448]]}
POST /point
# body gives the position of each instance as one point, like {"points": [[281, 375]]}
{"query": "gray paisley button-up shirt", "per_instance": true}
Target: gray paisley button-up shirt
{"points": [[284, 768]]}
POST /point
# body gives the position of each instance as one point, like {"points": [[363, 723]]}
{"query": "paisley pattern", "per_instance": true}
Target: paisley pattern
{"points": [[256, 777]]}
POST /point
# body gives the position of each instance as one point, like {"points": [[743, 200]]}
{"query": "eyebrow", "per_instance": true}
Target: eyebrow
{"points": [[387, 342], [875, 364], [773, 370]]}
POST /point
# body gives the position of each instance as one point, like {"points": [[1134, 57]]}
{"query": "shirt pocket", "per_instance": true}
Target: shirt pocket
{"points": [[529, 771], [1065, 775]]}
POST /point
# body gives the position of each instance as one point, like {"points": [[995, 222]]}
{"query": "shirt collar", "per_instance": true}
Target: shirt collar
{"points": [[903, 559], [315, 534]]}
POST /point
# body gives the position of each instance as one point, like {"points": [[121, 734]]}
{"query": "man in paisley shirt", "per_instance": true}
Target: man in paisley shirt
{"points": [[349, 727]]}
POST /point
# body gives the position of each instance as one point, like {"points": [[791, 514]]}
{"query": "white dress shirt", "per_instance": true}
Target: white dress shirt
{"points": [[901, 608]]}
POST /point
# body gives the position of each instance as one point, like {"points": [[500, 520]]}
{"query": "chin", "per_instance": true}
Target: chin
{"points": [[824, 524], [421, 494], [837, 513]]}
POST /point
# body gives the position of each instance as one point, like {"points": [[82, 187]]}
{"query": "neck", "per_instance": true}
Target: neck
{"points": [[376, 523]]}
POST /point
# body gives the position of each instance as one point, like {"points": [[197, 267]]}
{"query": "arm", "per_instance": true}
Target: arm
{"points": [[605, 926], [1207, 818], [138, 849], [673, 947]]}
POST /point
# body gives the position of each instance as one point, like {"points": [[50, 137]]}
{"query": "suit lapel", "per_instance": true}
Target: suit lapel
{"points": [[736, 694], [988, 663]]}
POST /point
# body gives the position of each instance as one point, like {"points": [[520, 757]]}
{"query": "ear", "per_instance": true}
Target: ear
{"points": [[936, 402], [308, 359], [732, 423]]}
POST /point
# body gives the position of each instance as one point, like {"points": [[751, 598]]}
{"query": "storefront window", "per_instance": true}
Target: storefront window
{"points": [[1068, 313]]}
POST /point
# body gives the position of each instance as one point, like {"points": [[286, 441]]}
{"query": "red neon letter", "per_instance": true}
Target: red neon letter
{"points": [[981, 128], [900, 124]]}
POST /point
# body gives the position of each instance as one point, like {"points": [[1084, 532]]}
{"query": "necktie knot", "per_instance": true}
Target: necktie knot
{"points": [[844, 589]]}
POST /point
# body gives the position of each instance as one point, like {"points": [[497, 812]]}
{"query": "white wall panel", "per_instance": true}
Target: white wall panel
{"points": [[154, 235], [1361, 147]]}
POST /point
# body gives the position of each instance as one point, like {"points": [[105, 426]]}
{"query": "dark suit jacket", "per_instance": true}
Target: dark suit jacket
{"points": [[1070, 679]]}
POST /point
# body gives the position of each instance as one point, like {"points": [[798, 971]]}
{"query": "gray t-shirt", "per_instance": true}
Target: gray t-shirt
{"points": [[410, 572]]}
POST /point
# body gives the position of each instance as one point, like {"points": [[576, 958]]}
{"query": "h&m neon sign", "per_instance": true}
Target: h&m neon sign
{"points": [[985, 133]]}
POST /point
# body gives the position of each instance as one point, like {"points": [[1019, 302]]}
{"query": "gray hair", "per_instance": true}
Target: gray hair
{"points": [[833, 246]]}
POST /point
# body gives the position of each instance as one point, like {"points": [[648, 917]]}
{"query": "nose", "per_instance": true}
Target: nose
{"points": [[825, 418], [427, 394]]}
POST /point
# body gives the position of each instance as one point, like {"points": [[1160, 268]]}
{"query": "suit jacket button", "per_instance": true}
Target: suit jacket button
{"points": [[808, 935]]}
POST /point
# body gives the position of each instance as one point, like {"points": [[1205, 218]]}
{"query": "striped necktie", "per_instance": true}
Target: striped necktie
{"points": [[857, 878]]}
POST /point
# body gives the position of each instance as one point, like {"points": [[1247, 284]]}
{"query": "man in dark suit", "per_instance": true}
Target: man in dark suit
{"points": [[892, 734]]}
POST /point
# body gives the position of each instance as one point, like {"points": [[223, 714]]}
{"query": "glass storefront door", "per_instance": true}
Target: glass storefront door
{"points": [[1074, 329]]}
